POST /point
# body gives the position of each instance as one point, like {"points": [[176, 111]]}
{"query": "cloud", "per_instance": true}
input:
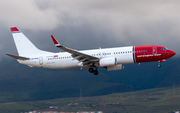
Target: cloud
{"points": [[103, 22], [26, 14]]}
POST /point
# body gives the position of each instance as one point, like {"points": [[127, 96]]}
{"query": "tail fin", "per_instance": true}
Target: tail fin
{"points": [[24, 46]]}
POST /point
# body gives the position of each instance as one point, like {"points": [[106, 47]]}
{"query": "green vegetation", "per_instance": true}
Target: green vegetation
{"points": [[22, 83], [157, 100], [21, 86], [34, 84]]}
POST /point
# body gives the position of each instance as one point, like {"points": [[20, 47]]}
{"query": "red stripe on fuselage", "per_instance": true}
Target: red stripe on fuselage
{"points": [[150, 53]]}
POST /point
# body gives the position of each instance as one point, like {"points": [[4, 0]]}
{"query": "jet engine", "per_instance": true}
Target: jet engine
{"points": [[108, 61]]}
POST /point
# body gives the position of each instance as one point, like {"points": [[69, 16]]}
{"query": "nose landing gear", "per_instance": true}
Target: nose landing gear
{"points": [[159, 64]]}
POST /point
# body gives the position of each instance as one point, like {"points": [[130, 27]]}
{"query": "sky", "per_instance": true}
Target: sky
{"points": [[90, 24]]}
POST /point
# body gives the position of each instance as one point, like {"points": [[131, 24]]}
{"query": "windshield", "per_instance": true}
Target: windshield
{"points": [[163, 48]]}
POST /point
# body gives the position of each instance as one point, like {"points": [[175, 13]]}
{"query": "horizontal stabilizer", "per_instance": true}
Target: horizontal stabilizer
{"points": [[18, 57]]}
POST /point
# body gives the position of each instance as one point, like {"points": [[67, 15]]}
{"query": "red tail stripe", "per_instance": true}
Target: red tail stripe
{"points": [[14, 29]]}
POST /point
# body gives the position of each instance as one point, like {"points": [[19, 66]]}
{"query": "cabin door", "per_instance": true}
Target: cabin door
{"points": [[154, 50], [41, 60]]}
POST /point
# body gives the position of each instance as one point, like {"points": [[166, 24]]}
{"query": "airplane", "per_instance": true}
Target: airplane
{"points": [[109, 58]]}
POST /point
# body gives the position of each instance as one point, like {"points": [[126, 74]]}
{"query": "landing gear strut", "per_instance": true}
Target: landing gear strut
{"points": [[159, 64], [95, 72]]}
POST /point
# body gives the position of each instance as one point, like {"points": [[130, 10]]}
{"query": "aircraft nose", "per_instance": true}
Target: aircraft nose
{"points": [[172, 53]]}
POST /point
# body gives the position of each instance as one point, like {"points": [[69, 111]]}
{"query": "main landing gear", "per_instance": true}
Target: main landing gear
{"points": [[95, 72]]}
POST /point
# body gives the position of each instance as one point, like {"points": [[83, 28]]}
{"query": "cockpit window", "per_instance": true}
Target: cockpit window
{"points": [[163, 48]]}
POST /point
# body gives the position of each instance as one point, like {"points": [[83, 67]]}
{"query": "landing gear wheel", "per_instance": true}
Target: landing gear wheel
{"points": [[159, 65], [96, 72], [91, 70]]}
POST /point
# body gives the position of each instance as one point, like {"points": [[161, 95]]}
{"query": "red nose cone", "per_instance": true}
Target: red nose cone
{"points": [[172, 53]]}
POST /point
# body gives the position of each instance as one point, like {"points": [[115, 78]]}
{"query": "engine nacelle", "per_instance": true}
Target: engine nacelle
{"points": [[116, 67], [108, 61]]}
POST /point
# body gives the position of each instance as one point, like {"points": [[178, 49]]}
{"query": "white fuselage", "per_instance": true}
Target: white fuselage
{"points": [[64, 60]]}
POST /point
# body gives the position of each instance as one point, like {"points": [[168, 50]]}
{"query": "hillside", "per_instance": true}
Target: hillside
{"points": [[22, 83], [157, 100]]}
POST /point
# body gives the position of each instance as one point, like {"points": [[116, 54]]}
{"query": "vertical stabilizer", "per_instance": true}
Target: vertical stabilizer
{"points": [[24, 46]]}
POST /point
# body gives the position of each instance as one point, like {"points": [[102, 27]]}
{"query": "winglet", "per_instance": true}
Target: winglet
{"points": [[56, 43], [15, 29]]}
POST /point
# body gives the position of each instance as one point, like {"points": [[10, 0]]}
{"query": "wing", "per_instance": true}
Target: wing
{"points": [[81, 57]]}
